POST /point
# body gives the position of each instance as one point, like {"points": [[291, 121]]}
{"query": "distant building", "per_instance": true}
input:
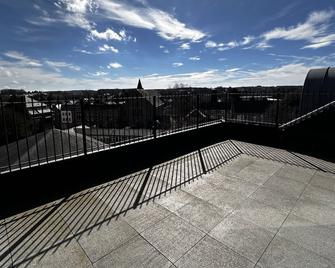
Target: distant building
{"points": [[47, 145], [139, 108], [39, 112]]}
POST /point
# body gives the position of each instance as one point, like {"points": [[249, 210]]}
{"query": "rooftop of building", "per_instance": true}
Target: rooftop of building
{"points": [[232, 204]]}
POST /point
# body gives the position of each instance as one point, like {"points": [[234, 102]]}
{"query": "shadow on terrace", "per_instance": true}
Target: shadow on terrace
{"points": [[52, 228]]}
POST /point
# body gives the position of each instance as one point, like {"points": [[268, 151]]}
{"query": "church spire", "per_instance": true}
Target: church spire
{"points": [[139, 84]]}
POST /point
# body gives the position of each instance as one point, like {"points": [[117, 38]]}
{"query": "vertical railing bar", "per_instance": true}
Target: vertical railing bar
{"points": [[277, 111], [26, 136], [52, 128], [108, 120], [34, 123], [90, 121], [154, 116], [74, 119], [45, 139], [17, 138], [61, 130], [83, 132], [6, 133], [198, 111], [96, 117], [67, 124]]}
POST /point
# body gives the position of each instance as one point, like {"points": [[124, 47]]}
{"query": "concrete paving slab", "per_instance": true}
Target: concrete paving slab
{"points": [[284, 253], [299, 174], [243, 236], [5, 256], [258, 172], [173, 237], [68, 255], [319, 194], [269, 166], [201, 214], [287, 186], [145, 215], [264, 216], [135, 253], [240, 186], [201, 189], [324, 180], [309, 235], [274, 199], [227, 200], [315, 211], [215, 178], [236, 164], [211, 253], [102, 239], [174, 199]]}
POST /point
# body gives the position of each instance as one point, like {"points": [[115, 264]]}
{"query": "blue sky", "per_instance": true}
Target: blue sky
{"points": [[92, 44]]}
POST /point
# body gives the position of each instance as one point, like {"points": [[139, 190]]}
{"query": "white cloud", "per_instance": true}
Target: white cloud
{"points": [[195, 58], [211, 44], [232, 70], [247, 40], [99, 73], [22, 59], [161, 46], [230, 45], [108, 34], [166, 26], [166, 51], [80, 13], [185, 46], [114, 65], [314, 30], [84, 51], [106, 47], [177, 64], [322, 41], [73, 13], [57, 65]]}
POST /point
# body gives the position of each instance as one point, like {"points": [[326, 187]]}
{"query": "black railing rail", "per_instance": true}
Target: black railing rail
{"points": [[307, 115], [40, 128]]}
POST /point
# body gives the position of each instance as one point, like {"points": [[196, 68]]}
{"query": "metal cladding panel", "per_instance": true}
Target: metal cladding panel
{"points": [[319, 89]]}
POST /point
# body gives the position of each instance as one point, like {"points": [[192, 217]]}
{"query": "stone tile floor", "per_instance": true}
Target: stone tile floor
{"points": [[232, 204]]}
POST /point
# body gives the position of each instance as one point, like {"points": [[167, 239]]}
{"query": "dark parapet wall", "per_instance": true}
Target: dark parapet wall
{"points": [[318, 90]]}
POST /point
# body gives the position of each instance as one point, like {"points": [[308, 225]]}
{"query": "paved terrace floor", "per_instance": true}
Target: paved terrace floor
{"points": [[229, 205]]}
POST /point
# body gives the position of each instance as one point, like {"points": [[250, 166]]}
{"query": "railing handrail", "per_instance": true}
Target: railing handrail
{"points": [[307, 115]]}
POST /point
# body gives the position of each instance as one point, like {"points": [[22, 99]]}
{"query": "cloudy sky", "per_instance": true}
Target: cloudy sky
{"points": [[92, 44]]}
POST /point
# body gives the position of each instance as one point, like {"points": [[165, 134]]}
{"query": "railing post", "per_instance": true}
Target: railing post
{"points": [[154, 127], [83, 121], [198, 110], [277, 111]]}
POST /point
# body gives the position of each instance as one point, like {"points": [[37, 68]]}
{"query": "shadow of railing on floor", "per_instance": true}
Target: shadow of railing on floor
{"points": [[34, 233]]}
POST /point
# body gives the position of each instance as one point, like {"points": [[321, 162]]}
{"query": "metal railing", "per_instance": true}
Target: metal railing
{"points": [[41, 128]]}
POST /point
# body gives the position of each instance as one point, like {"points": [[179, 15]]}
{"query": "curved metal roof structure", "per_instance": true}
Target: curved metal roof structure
{"points": [[318, 90]]}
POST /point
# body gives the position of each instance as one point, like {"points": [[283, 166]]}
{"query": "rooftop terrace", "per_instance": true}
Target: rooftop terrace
{"points": [[232, 204]]}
